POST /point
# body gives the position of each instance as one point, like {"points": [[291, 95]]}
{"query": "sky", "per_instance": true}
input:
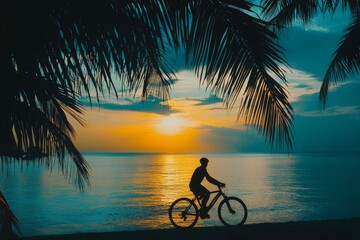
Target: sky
{"points": [[193, 120]]}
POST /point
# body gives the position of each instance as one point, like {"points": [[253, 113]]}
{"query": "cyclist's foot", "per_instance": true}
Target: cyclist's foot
{"points": [[204, 214]]}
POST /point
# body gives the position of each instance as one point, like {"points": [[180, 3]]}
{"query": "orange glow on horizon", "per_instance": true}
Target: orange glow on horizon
{"points": [[107, 131], [187, 129]]}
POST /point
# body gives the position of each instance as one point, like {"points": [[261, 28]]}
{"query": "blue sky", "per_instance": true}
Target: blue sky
{"points": [[309, 50], [196, 121]]}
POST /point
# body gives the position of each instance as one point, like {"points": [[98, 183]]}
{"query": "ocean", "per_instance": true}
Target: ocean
{"points": [[134, 191]]}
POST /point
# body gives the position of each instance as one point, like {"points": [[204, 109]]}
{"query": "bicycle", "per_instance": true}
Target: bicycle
{"points": [[184, 212]]}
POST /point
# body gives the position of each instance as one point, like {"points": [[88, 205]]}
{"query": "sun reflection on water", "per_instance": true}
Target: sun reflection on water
{"points": [[135, 191], [162, 181]]}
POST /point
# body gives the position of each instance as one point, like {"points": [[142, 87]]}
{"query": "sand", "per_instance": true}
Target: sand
{"points": [[327, 229]]}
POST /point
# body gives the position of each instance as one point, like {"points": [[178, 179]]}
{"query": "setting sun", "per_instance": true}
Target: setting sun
{"points": [[170, 125]]}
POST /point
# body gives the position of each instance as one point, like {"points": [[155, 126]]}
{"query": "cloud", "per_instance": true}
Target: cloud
{"points": [[240, 139], [152, 104], [335, 128], [301, 83], [333, 111], [309, 51], [331, 22], [212, 99], [314, 27], [342, 100], [188, 85]]}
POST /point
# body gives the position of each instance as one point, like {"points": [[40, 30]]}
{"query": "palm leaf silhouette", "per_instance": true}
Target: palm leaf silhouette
{"points": [[57, 51], [283, 13], [347, 55], [7, 220], [34, 116], [346, 58], [52, 52], [236, 54]]}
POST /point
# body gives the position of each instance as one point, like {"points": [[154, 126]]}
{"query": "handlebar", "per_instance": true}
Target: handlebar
{"points": [[221, 187]]}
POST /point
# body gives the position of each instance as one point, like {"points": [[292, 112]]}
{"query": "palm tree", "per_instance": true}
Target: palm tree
{"points": [[346, 59], [53, 51], [34, 125]]}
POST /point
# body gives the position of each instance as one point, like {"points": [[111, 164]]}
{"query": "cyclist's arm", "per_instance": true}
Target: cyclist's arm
{"points": [[212, 180]]}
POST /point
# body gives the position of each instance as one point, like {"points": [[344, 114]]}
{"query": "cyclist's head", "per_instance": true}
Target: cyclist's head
{"points": [[204, 161]]}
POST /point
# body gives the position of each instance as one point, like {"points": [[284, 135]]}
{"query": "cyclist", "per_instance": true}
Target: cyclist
{"points": [[199, 190]]}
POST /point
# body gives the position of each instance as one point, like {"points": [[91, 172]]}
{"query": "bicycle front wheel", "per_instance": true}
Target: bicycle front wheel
{"points": [[183, 213], [232, 211]]}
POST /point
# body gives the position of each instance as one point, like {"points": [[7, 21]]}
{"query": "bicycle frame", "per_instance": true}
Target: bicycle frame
{"points": [[214, 200], [184, 212]]}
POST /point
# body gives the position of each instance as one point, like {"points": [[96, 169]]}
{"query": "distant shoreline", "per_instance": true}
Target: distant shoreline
{"points": [[344, 229]]}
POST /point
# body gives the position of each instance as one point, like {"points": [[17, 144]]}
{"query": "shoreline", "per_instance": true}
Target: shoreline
{"points": [[318, 229]]}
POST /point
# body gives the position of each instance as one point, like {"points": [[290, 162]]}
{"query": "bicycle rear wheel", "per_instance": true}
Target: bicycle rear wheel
{"points": [[232, 211], [183, 213]]}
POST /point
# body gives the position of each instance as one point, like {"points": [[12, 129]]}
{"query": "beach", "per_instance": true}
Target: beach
{"points": [[326, 229]]}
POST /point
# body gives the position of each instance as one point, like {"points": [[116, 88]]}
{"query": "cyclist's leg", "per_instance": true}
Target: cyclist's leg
{"points": [[202, 193], [205, 197]]}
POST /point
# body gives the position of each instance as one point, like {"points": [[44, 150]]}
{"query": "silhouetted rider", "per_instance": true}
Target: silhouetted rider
{"points": [[198, 189]]}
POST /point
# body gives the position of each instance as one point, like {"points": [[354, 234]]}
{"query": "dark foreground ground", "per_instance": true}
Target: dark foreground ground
{"points": [[329, 229]]}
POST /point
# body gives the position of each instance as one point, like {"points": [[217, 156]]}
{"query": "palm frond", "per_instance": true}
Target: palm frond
{"points": [[58, 50], [346, 58], [33, 117], [330, 5], [234, 52], [284, 12], [63, 49], [352, 5], [54, 145], [274, 119], [83, 44], [7, 220]]}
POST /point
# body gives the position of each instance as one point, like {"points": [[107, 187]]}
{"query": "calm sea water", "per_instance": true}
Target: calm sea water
{"points": [[134, 191]]}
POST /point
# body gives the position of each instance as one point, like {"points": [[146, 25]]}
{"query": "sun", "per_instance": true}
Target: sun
{"points": [[170, 125]]}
